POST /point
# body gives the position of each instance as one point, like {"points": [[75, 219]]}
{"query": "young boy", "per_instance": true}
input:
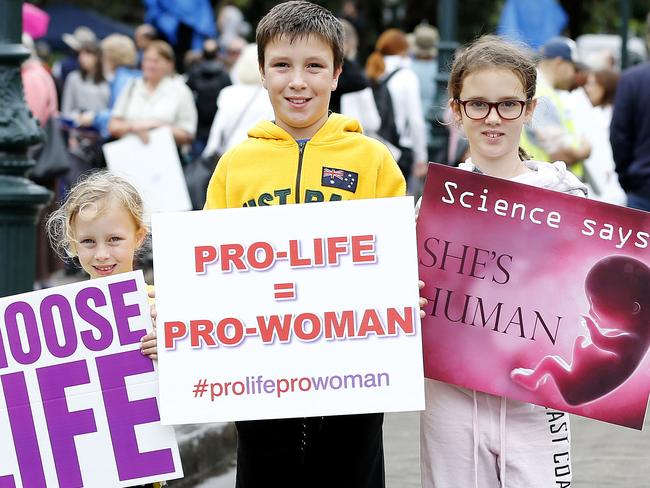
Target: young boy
{"points": [[305, 155]]}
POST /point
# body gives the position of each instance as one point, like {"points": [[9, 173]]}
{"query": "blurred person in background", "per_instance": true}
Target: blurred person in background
{"points": [[86, 89], [239, 106], [231, 22], [353, 96], [424, 50], [38, 85], [70, 62], [389, 63], [156, 99], [630, 133], [231, 49], [118, 65], [601, 89], [41, 99], [144, 34], [552, 135], [591, 106], [44, 53], [206, 80], [191, 59], [85, 94], [351, 12]]}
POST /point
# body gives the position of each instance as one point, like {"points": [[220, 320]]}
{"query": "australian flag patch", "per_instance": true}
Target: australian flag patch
{"points": [[340, 178]]}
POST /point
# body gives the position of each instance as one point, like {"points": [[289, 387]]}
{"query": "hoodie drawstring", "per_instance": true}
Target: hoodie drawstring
{"points": [[502, 450], [476, 438], [502, 439]]}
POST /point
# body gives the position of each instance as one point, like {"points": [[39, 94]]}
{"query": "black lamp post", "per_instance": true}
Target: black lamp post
{"points": [[447, 27], [20, 199], [625, 23]]}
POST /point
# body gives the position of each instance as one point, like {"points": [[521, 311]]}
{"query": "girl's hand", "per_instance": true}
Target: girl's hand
{"points": [[423, 301], [86, 119], [420, 169], [152, 307], [149, 343]]}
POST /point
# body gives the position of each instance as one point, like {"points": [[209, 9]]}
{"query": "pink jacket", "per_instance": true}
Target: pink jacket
{"points": [[40, 91]]}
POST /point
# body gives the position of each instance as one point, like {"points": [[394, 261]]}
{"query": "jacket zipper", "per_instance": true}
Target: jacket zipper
{"points": [[301, 151]]}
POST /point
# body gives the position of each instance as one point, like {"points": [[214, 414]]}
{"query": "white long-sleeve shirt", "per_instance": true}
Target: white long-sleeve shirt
{"points": [[229, 126], [404, 88]]}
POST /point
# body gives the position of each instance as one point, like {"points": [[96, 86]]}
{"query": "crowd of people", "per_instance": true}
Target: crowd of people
{"points": [[540, 120], [106, 89]]}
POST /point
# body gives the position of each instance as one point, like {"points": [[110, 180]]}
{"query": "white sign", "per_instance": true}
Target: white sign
{"points": [[78, 400], [153, 168], [288, 311]]}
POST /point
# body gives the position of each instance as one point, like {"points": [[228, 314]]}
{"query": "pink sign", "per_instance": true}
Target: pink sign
{"points": [[536, 295]]}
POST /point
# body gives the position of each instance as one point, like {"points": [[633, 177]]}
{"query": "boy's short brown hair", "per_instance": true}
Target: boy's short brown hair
{"points": [[296, 19]]}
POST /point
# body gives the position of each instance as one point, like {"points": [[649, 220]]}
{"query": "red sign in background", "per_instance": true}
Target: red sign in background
{"points": [[536, 295]]}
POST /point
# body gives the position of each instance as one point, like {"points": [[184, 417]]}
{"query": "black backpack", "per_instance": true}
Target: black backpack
{"points": [[384, 102], [388, 129], [206, 81]]}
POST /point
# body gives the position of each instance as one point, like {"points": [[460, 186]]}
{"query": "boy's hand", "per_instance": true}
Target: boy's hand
{"points": [[423, 301]]}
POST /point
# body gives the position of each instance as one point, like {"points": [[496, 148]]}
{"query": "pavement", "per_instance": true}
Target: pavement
{"points": [[604, 455]]}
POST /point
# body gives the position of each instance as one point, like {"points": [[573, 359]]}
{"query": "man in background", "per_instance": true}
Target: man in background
{"points": [[630, 133], [552, 135]]}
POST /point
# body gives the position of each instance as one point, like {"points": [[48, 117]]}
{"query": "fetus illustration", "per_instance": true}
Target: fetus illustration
{"points": [[618, 335]]}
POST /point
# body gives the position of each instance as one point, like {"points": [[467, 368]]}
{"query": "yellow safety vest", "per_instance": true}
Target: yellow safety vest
{"points": [[536, 152]]}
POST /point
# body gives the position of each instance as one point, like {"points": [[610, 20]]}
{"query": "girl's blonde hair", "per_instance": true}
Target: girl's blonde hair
{"points": [[119, 50], [246, 69], [89, 190], [491, 51]]}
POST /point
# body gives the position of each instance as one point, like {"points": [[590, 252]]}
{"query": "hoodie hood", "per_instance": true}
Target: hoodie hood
{"points": [[331, 131], [551, 176], [271, 168]]}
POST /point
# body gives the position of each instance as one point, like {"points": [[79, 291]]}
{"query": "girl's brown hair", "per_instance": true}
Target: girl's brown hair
{"points": [[489, 52], [93, 49], [391, 41]]}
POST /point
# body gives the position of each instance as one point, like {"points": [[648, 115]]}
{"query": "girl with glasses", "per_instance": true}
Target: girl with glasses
{"points": [[469, 438]]}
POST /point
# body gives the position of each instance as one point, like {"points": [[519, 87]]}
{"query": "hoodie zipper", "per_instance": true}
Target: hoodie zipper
{"points": [[301, 152]]}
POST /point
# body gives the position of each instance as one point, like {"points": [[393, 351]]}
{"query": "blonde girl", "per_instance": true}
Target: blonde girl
{"points": [[471, 439], [102, 224]]}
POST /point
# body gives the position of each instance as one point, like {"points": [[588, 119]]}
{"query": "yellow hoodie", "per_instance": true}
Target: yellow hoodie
{"points": [[271, 168]]}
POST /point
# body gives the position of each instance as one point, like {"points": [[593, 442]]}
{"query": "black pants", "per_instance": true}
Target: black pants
{"points": [[317, 452]]}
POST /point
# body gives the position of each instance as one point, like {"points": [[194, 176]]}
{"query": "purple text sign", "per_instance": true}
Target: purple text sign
{"points": [[78, 401]]}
